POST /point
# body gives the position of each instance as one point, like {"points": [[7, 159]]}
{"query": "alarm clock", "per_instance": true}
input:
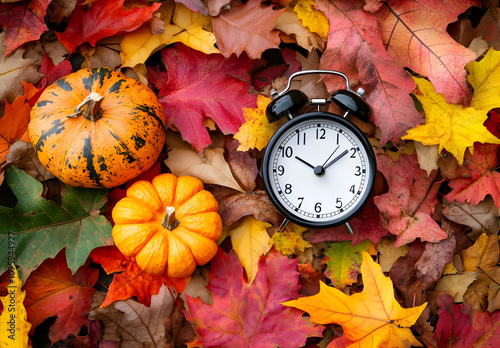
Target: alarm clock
{"points": [[318, 168]]}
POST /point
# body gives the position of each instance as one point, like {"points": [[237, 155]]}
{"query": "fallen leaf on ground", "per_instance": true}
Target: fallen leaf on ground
{"points": [[372, 317]]}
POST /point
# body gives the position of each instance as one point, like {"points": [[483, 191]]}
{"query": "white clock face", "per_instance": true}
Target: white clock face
{"points": [[319, 170]]}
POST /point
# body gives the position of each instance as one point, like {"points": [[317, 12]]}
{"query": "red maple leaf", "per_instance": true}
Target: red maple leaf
{"points": [[130, 279], [53, 72], [412, 196], [102, 19], [355, 48], [51, 290], [366, 225], [461, 326], [23, 22], [481, 178], [251, 315], [201, 86]]}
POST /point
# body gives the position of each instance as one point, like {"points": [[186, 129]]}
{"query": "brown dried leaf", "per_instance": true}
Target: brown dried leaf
{"points": [[211, 168], [242, 165], [135, 325], [20, 65], [431, 264], [22, 155], [234, 205], [480, 217]]}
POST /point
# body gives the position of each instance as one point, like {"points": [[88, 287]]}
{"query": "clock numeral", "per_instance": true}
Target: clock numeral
{"points": [[281, 170], [353, 155], [288, 152], [338, 204], [352, 189], [288, 189], [301, 199], [320, 133], [317, 207], [303, 142], [358, 171]]}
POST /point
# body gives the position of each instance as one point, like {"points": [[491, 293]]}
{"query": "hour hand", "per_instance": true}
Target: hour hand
{"points": [[305, 162]]}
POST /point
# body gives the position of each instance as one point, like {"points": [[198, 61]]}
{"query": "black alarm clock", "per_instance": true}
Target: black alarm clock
{"points": [[318, 168]]}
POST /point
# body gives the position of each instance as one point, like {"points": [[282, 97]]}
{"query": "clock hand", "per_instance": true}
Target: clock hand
{"points": [[330, 155], [336, 158], [300, 159]]}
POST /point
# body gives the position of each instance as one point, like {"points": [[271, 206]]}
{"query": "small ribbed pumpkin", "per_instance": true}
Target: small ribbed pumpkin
{"points": [[167, 223], [97, 128]]}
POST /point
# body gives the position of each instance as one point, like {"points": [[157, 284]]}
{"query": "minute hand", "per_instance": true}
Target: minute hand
{"points": [[336, 159]]}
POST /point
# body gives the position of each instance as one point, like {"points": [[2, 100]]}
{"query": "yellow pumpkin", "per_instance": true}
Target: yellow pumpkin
{"points": [[168, 224], [97, 128]]}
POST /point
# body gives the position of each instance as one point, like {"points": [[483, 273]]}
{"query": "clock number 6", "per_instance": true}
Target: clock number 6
{"points": [[317, 207]]}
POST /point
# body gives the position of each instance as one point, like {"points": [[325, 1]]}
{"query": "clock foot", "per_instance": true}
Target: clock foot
{"points": [[348, 228], [283, 225]]}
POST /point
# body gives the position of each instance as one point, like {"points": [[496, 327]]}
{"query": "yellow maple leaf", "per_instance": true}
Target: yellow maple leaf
{"points": [[14, 326], [484, 77], [311, 18], [371, 318], [256, 131], [180, 25], [290, 241], [452, 127], [250, 241]]}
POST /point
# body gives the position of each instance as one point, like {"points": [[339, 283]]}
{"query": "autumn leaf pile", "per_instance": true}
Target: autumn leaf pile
{"points": [[422, 267]]}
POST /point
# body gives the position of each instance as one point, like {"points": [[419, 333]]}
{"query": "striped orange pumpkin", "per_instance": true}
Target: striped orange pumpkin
{"points": [[97, 128]]}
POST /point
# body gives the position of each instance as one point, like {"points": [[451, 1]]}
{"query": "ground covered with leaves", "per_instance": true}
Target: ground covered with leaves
{"points": [[422, 267]]}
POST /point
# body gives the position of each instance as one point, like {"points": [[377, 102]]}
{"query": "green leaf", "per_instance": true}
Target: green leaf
{"points": [[41, 228], [343, 261]]}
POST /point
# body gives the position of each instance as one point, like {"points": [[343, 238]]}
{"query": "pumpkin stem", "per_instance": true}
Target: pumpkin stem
{"points": [[91, 106], [169, 221]]}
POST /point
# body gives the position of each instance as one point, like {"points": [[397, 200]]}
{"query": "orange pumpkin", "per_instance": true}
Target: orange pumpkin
{"points": [[97, 128], [168, 223]]}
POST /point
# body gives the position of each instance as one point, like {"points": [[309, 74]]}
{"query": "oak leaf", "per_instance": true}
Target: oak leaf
{"points": [[251, 315], [248, 28], [355, 48], [129, 279], [250, 241], [23, 21], [14, 123], [414, 34], [371, 318], [343, 261], [14, 323], [103, 19], [453, 127], [180, 24], [412, 196], [133, 324], [200, 86], [256, 131], [51, 290]]}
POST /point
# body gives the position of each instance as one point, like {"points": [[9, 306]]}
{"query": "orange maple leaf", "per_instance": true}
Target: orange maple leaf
{"points": [[14, 123], [371, 318]]}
